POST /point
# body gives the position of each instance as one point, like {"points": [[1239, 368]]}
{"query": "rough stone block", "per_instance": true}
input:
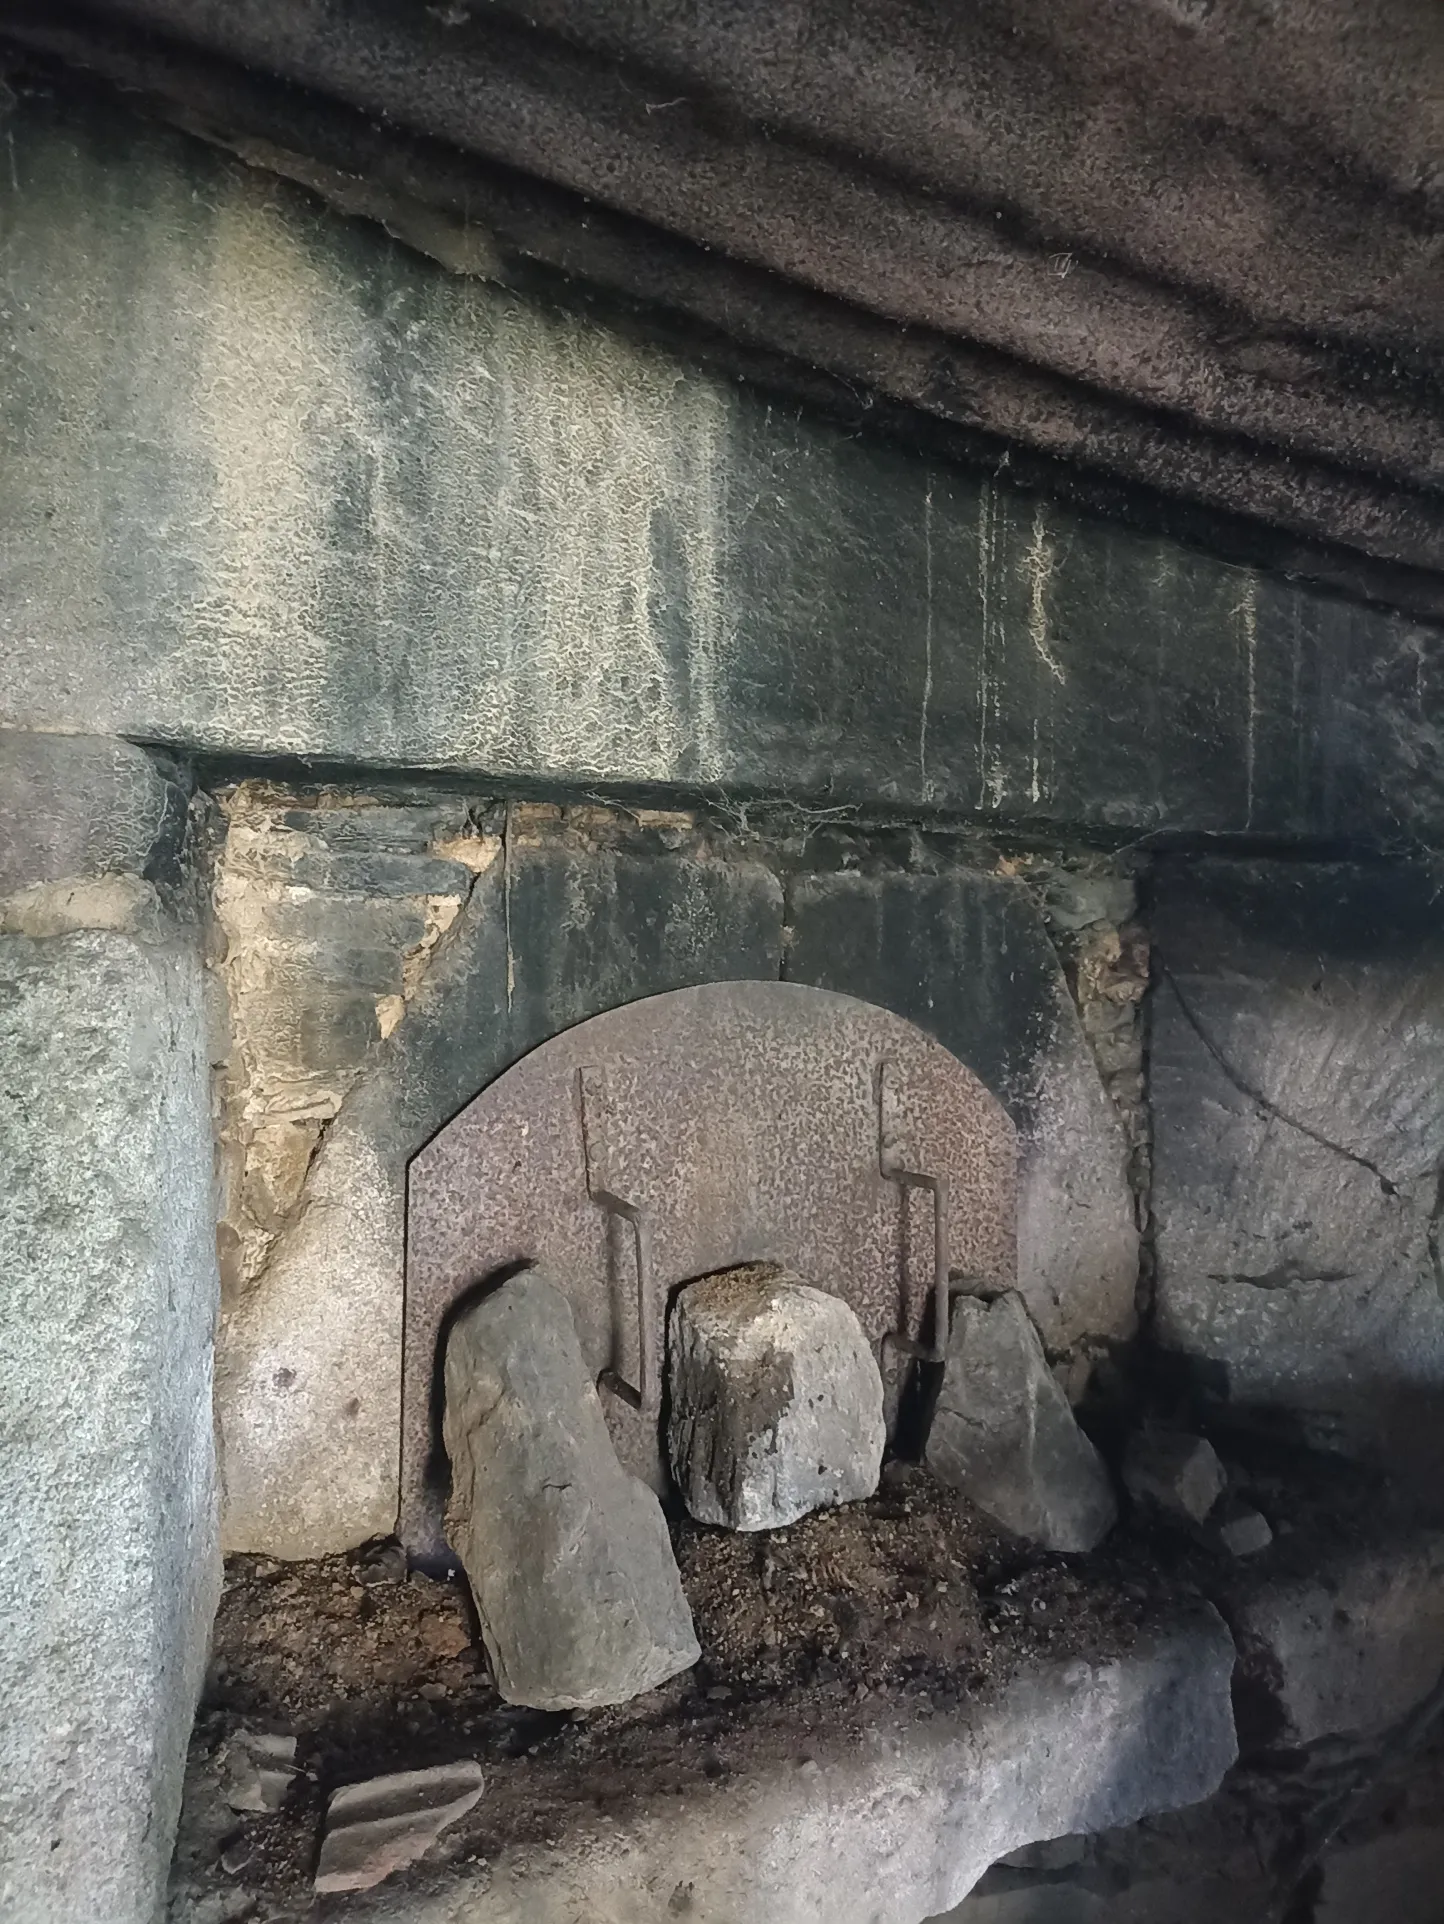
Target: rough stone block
{"points": [[968, 958], [107, 1490], [568, 1556], [886, 1825], [184, 564], [259, 1768], [75, 808], [1298, 1092], [1003, 1432], [1350, 1648], [776, 1400], [1171, 1471], [386, 1823], [1246, 1534]]}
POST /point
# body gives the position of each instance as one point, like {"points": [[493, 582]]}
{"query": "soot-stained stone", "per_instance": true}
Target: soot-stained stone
{"points": [[1004, 1435], [107, 1470], [1297, 1074], [767, 602], [568, 1556], [1170, 1471], [967, 957], [776, 1400], [309, 1384]]}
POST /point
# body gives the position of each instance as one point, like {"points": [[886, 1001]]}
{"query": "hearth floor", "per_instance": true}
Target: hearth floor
{"points": [[897, 1611]]}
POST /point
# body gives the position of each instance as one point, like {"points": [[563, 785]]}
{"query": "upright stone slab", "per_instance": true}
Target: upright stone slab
{"points": [[1004, 1436], [568, 1556], [107, 1255], [776, 1400]]}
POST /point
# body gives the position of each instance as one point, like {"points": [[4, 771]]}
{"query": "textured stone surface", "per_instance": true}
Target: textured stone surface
{"points": [[1245, 1534], [1298, 1091], [872, 176], [382, 1825], [1170, 1471], [967, 957], [293, 489], [568, 1556], [1348, 1648], [309, 1372], [1004, 1435], [258, 1769], [1063, 1903], [107, 1490], [74, 808], [775, 1400], [883, 1826], [1396, 1877]]}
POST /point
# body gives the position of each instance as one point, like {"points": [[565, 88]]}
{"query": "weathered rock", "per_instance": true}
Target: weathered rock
{"points": [[381, 1563], [259, 1768], [75, 808], [776, 1400], [568, 1556], [1004, 1434], [1350, 1648], [1076, 902], [1174, 1472], [887, 1824], [107, 1475], [1246, 1534], [378, 1827]]}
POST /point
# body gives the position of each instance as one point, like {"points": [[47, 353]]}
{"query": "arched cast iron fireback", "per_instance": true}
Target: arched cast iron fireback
{"points": [[731, 1123]]}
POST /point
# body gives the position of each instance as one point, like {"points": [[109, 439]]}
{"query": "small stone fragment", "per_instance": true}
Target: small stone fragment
{"points": [[259, 1767], [382, 1562], [1004, 1435], [378, 1827], [777, 1406], [568, 1556], [1246, 1534], [1171, 1471]]}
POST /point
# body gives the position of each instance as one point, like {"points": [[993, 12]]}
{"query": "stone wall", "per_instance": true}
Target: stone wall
{"points": [[107, 1465], [1298, 1096], [316, 496]]}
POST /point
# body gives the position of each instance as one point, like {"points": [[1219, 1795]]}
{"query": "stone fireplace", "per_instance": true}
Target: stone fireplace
{"points": [[489, 803]]}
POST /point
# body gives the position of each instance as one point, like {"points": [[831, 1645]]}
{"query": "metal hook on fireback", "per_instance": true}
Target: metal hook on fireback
{"points": [[893, 1168], [644, 1394]]}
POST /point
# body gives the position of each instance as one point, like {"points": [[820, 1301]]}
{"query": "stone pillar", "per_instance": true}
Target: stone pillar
{"points": [[107, 1255]]}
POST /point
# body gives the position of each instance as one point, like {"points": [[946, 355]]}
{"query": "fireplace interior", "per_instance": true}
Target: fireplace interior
{"points": [[722, 1118]]}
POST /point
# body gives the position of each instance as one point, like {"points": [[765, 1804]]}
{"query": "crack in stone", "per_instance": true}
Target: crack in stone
{"points": [[1268, 1108], [1436, 1231], [1284, 1276]]}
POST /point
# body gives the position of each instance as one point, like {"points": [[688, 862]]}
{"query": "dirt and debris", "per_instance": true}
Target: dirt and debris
{"points": [[911, 1602]]}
